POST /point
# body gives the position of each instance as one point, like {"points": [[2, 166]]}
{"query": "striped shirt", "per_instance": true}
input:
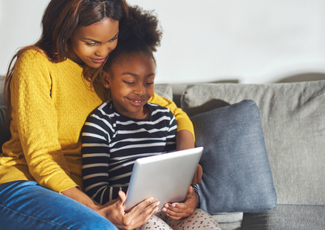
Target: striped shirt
{"points": [[111, 142]]}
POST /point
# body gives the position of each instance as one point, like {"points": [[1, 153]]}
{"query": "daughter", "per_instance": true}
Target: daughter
{"points": [[129, 127]]}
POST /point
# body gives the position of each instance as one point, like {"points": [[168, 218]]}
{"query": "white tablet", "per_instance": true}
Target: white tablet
{"points": [[165, 177]]}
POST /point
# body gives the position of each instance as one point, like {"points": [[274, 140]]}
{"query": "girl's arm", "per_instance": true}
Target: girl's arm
{"points": [[185, 131], [95, 137], [178, 211]]}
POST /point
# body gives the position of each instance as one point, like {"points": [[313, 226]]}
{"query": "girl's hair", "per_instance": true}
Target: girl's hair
{"points": [[140, 35], [60, 20]]}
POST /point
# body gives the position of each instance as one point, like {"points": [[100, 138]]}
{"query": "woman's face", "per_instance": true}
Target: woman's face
{"points": [[92, 44]]}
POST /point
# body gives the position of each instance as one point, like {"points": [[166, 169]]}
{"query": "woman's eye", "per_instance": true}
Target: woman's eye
{"points": [[91, 44], [113, 39], [149, 83]]}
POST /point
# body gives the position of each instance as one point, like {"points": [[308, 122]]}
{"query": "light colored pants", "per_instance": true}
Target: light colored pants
{"points": [[199, 219]]}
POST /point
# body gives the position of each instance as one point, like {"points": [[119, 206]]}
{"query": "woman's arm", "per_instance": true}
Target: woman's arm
{"points": [[34, 122], [114, 210]]}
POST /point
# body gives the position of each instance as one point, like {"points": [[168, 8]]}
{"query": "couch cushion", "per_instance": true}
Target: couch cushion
{"points": [[236, 171], [293, 121], [164, 90], [298, 217], [229, 221], [4, 132]]}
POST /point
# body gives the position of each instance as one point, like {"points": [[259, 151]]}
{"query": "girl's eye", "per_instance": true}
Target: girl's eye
{"points": [[149, 83], [129, 82]]}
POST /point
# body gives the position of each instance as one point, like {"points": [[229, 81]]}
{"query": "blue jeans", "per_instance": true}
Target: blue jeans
{"points": [[27, 205]]}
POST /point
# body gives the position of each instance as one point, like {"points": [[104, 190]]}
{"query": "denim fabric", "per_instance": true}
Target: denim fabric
{"points": [[26, 205]]}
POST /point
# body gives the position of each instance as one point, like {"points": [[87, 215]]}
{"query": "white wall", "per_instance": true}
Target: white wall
{"points": [[252, 41], [20, 25]]}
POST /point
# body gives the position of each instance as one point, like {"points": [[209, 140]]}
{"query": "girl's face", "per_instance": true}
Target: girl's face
{"points": [[92, 44], [132, 85]]}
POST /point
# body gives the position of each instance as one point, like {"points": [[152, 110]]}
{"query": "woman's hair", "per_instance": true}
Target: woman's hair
{"points": [[140, 35], [60, 20]]}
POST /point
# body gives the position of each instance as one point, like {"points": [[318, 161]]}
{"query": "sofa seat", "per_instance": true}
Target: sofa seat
{"points": [[297, 217]]}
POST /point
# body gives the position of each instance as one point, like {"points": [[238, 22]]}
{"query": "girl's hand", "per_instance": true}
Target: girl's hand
{"points": [[178, 211], [135, 218]]}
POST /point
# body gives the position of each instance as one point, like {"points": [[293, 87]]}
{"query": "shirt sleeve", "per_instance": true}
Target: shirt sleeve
{"points": [[182, 119], [171, 135], [95, 159], [35, 121]]}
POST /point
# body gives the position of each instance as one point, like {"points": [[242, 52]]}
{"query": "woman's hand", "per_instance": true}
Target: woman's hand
{"points": [[178, 211], [132, 219], [114, 210]]}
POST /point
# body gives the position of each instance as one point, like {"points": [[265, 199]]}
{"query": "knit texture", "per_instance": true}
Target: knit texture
{"points": [[51, 102]]}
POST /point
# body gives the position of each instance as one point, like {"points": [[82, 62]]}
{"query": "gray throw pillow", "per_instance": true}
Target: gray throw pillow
{"points": [[236, 171]]}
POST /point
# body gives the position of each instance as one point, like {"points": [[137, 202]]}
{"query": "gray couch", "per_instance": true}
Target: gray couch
{"points": [[292, 117]]}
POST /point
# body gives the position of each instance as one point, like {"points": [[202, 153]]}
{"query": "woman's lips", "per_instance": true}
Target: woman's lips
{"points": [[99, 61]]}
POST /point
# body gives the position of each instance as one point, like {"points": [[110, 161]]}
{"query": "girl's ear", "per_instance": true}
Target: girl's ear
{"points": [[106, 79]]}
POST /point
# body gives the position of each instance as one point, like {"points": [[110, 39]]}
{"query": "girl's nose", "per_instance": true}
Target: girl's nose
{"points": [[140, 89]]}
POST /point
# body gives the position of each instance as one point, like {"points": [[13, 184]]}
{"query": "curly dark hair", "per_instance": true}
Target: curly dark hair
{"points": [[141, 34]]}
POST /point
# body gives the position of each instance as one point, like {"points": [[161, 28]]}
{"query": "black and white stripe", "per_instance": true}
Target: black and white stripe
{"points": [[112, 142]]}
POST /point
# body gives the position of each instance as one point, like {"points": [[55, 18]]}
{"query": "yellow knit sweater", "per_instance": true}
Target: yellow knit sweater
{"points": [[51, 102]]}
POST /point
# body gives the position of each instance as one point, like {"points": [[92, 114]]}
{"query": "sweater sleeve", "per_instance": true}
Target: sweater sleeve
{"points": [[34, 114], [182, 119]]}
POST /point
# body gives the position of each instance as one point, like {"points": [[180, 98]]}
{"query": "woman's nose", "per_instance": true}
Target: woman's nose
{"points": [[105, 49]]}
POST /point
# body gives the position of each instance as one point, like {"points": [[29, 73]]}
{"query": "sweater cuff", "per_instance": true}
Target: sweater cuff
{"points": [[59, 183]]}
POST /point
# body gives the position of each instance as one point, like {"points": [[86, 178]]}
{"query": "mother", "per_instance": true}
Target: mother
{"points": [[49, 94]]}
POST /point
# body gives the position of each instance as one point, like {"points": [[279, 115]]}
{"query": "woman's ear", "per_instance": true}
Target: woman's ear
{"points": [[106, 79]]}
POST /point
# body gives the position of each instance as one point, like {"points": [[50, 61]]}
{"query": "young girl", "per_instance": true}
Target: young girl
{"points": [[128, 127], [48, 101]]}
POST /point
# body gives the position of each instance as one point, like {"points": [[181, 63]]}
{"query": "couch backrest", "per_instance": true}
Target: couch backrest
{"points": [[293, 121], [4, 132], [1, 90]]}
